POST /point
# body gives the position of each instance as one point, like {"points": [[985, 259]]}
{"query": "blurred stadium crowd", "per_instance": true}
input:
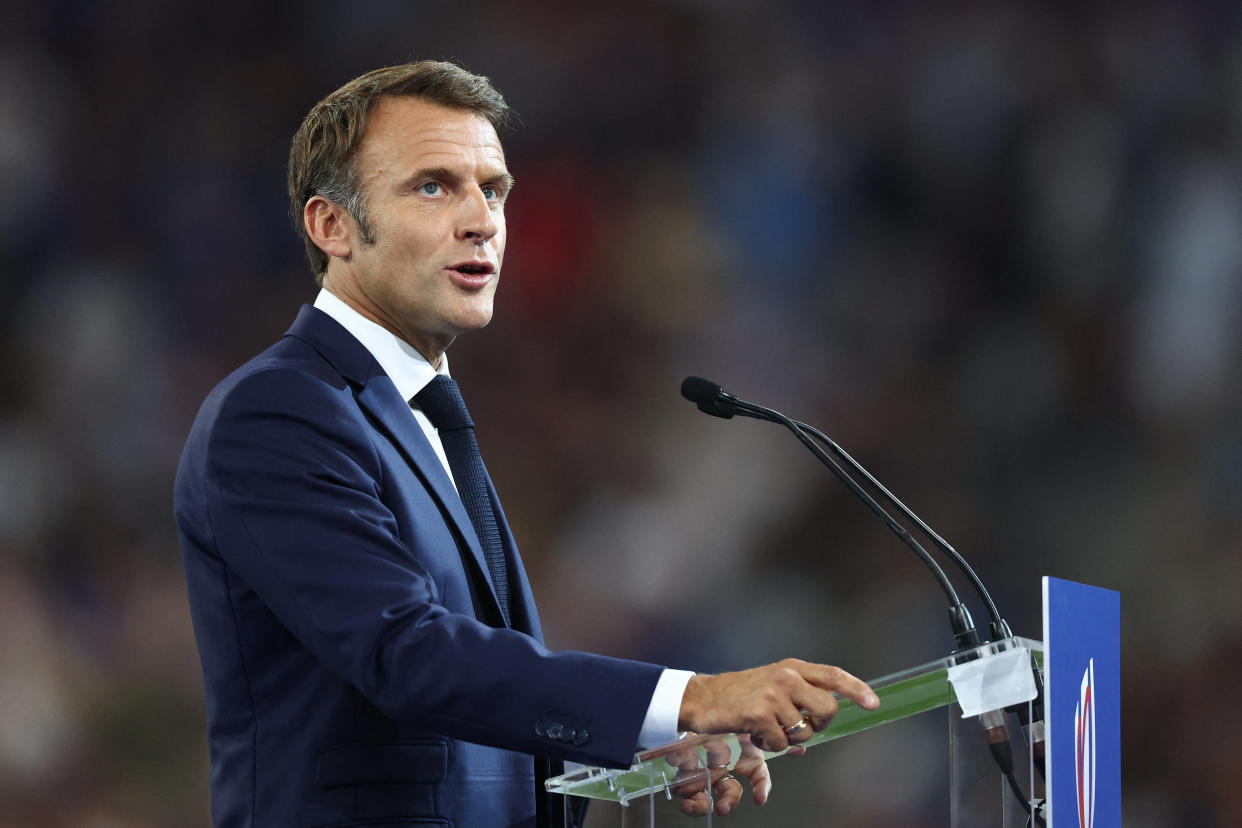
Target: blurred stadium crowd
{"points": [[995, 249]]}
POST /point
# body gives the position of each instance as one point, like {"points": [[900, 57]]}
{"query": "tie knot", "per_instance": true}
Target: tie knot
{"points": [[441, 401]]}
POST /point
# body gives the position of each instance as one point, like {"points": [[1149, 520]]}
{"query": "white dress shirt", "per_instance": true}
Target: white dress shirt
{"points": [[410, 372]]}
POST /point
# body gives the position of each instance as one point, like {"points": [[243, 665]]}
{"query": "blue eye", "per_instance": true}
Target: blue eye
{"points": [[430, 188], [491, 193]]}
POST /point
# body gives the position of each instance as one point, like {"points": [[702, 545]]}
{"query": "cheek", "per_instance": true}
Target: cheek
{"points": [[499, 240]]}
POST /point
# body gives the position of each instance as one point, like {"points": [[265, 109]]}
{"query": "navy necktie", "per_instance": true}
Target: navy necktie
{"points": [[442, 403]]}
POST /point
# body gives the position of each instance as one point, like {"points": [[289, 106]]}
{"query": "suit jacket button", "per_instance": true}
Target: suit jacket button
{"points": [[581, 737], [556, 731]]}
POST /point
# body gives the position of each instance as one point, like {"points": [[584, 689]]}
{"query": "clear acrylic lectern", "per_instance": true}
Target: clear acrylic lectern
{"points": [[983, 688]]}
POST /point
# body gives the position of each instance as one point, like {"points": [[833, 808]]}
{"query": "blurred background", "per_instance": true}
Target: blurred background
{"points": [[994, 249]]}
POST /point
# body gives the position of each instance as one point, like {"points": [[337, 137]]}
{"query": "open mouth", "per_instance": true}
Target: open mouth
{"points": [[474, 269]]}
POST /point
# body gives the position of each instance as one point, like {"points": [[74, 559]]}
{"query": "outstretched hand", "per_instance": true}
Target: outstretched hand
{"points": [[771, 702], [770, 708]]}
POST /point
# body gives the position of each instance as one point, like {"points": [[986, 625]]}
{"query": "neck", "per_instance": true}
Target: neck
{"points": [[430, 346]]}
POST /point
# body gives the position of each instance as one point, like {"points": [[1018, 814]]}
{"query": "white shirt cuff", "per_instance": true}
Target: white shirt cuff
{"points": [[660, 726]]}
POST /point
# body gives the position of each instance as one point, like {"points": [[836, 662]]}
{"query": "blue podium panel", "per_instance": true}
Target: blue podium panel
{"points": [[1082, 675]]}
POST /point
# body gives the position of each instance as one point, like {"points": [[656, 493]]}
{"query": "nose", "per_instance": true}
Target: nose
{"points": [[477, 222]]}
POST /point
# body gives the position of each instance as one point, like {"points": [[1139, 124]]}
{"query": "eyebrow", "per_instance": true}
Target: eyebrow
{"points": [[505, 179]]}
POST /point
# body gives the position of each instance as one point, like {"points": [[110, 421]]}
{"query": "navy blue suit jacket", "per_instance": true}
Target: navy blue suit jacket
{"points": [[356, 667]]}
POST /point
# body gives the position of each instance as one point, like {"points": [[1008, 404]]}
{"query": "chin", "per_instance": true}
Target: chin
{"points": [[473, 321]]}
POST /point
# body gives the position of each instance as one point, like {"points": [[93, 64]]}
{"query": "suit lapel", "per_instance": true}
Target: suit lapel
{"points": [[379, 398]]}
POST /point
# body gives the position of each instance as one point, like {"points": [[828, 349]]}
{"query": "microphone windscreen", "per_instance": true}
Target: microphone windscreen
{"points": [[700, 391]]}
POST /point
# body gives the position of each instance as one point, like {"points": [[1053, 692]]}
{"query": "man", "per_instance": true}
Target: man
{"points": [[370, 647]]}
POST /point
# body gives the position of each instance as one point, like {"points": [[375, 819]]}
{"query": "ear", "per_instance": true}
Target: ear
{"points": [[329, 226]]}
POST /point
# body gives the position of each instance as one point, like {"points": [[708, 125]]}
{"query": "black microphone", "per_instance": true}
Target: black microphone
{"points": [[709, 397]]}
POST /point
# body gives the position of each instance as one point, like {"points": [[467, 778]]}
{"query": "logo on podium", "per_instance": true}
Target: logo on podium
{"points": [[1084, 747]]}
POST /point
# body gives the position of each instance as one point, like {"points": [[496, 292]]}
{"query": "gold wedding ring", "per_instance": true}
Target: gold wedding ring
{"points": [[794, 730]]}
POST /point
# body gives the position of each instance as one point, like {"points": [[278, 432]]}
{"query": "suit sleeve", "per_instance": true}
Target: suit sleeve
{"points": [[293, 495]]}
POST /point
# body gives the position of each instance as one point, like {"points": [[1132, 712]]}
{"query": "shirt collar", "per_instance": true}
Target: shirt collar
{"points": [[407, 368]]}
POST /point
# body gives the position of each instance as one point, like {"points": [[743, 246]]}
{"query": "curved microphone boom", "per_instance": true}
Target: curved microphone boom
{"points": [[999, 628], [712, 399]]}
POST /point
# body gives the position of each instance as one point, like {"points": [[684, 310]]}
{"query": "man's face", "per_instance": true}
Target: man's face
{"points": [[434, 183]]}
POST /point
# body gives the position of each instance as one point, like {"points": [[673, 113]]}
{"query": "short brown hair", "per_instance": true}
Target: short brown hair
{"points": [[323, 158]]}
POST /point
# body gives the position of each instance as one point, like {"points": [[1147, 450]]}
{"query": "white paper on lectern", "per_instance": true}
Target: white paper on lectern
{"points": [[993, 682]]}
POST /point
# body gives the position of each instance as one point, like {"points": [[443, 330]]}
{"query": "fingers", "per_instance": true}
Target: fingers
{"points": [[712, 780], [780, 730], [726, 791], [695, 805], [760, 778], [817, 706], [838, 681], [816, 700], [703, 781], [719, 754], [709, 775], [695, 772], [682, 758]]}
